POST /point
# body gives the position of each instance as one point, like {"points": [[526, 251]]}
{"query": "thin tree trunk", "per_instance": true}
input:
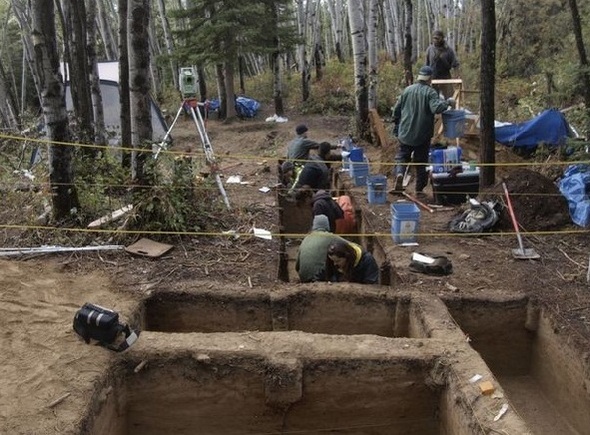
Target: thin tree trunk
{"points": [[124, 86], [230, 93], [372, 50], [409, 77], [74, 14], [138, 20], [106, 31], [169, 41], [61, 178], [487, 77], [96, 94], [585, 73], [359, 42]]}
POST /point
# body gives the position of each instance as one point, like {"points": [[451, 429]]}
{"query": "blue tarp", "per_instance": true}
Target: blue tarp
{"points": [[550, 127], [245, 107], [575, 186]]}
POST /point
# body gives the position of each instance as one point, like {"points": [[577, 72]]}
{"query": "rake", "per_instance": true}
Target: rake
{"points": [[519, 253]]}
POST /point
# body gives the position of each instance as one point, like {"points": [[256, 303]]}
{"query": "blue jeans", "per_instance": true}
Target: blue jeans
{"points": [[420, 158]]}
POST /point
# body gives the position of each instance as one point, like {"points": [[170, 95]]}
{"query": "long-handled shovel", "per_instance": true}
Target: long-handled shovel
{"points": [[520, 253]]}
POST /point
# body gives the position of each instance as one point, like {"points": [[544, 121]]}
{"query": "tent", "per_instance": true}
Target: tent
{"points": [[109, 86], [550, 127]]}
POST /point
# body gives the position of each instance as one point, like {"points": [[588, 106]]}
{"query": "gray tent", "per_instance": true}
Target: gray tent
{"points": [[109, 86]]}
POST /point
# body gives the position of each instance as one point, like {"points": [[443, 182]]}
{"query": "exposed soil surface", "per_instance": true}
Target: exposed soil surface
{"points": [[42, 359]]}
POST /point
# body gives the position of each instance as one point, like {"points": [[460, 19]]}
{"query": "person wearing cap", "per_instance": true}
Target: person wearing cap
{"points": [[413, 115], [313, 251], [299, 148], [441, 58], [313, 176]]}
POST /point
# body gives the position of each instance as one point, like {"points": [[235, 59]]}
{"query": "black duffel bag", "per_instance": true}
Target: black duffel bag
{"points": [[93, 322]]}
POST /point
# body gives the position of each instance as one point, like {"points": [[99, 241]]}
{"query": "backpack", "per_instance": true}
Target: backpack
{"points": [[93, 322]]}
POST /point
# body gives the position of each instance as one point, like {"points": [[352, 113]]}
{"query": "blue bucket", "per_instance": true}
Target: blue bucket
{"points": [[453, 123], [356, 154], [405, 221], [377, 189]]}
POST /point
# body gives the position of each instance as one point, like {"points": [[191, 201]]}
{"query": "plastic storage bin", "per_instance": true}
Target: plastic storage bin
{"points": [[405, 222], [359, 172], [455, 190], [377, 189], [443, 160]]}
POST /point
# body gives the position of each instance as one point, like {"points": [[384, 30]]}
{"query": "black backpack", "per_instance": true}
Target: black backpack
{"points": [[93, 322]]}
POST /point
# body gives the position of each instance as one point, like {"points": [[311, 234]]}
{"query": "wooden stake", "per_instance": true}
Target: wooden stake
{"points": [[420, 203]]}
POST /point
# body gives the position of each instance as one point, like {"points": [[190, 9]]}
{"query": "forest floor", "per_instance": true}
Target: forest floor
{"points": [[42, 358]]}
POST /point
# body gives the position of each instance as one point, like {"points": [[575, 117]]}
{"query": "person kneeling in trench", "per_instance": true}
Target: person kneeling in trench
{"points": [[347, 261], [311, 255]]}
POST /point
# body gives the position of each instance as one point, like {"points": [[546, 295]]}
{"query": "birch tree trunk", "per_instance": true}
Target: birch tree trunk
{"points": [[22, 14], [138, 20], [335, 10], [106, 30], [390, 25], [53, 102], [359, 50], [302, 11], [487, 78], [169, 41], [373, 23], [97, 107], [8, 106]]}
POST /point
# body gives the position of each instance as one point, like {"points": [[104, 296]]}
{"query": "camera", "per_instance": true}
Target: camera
{"points": [[188, 82]]}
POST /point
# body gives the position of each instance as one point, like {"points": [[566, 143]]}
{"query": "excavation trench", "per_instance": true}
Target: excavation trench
{"points": [[545, 379], [279, 383], [344, 358]]}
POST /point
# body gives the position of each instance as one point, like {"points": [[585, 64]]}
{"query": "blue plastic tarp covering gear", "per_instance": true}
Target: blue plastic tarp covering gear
{"points": [[574, 186], [550, 127], [245, 107]]}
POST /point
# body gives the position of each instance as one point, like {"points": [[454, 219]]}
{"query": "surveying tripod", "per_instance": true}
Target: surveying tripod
{"points": [[191, 105]]}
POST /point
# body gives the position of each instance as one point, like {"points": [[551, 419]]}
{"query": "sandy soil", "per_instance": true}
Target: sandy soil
{"points": [[42, 358]]}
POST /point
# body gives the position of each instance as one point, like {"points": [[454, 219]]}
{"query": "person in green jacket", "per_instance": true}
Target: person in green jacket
{"points": [[312, 254], [413, 115]]}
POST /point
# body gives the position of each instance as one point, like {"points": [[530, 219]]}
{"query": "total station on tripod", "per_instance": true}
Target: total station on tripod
{"points": [[188, 83]]}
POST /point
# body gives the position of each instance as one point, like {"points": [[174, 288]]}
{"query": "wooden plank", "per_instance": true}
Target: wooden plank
{"points": [[378, 128]]}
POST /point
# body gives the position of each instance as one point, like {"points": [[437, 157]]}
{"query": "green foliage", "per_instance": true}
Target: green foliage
{"points": [[172, 201]]}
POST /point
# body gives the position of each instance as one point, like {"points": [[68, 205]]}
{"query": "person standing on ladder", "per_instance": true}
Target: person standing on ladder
{"points": [[441, 58], [413, 115]]}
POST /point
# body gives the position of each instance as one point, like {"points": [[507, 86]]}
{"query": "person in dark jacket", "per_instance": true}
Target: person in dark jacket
{"points": [[323, 203], [347, 261], [441, 58], [413, 115], [298, 150], [311, 256]]}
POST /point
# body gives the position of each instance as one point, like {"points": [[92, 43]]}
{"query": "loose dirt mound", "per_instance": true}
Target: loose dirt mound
{"points": [[537, 202]]}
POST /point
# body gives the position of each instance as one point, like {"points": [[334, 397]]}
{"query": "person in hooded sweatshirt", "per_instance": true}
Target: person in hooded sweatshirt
{"points": [[323, 203], [349, 262], [312, 253]]}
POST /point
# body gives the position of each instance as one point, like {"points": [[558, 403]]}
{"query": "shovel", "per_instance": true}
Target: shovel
{"points": [[520, 253]]}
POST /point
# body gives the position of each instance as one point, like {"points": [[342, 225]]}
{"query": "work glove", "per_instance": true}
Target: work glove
{"points": [[451, 102]]}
